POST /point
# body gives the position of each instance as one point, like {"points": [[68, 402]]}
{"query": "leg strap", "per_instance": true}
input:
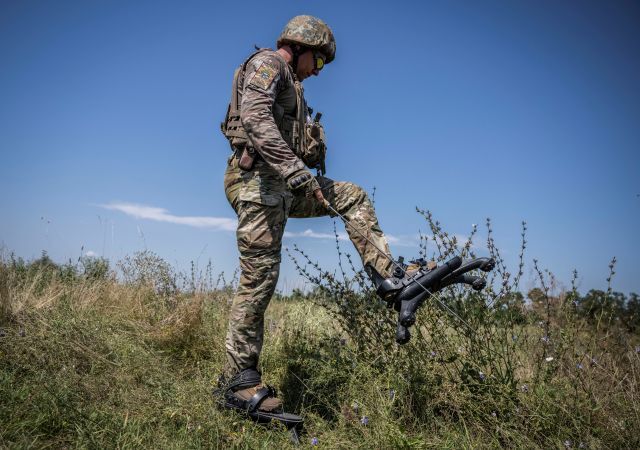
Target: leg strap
{"points": [[244, 379], [254, 402]]}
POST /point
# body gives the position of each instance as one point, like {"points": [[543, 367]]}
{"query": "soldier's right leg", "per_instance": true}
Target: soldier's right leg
{"points": [[353, 203]]}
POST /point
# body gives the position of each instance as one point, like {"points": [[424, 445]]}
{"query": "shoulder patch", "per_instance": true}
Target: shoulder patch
{"points": [[263, 77]]}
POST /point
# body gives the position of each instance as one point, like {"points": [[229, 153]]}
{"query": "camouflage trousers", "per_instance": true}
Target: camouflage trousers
{"points": [[263, 204]]}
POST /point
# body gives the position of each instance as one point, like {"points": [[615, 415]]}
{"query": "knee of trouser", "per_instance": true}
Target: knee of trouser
{"points": [[260, 262], [354, 195], [260, 270]]}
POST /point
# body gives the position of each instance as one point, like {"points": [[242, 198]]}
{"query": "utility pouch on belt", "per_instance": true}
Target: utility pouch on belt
{"points": [[247, 158], [315, 150]]}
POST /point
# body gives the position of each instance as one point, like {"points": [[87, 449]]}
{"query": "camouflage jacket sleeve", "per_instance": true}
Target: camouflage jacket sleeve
{"points": [[265, 76]]}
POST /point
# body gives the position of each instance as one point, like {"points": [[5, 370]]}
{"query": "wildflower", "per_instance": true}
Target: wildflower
{"points": [[433, 354], [314, 441], [2, 333], [22, 332], [594, 361], [482, 376], [392, 394], [364, 421], [541, 323], [343, 341], [514, 337], [579, 366], [567, 443], [354, 406], [581, 445], [493, 413], [545, 339], [525, 388], [638, 349], [549, 358]]}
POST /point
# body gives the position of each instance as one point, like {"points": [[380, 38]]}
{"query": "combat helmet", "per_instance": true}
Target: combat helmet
{"points": [[310, 32]]}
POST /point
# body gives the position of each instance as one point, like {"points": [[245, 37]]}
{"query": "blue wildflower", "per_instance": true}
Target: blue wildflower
{"points": [[545, 339], [364, 421], [579, 366], [314, 441], [392, 394], [2, 333], [433, 354], [481, 375], [638, 349]]}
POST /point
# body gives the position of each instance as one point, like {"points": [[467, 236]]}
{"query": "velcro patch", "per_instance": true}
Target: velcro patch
{"points": [[263, 77]]}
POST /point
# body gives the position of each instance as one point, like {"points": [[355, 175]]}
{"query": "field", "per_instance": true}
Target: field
{"points": [[95, 356]]}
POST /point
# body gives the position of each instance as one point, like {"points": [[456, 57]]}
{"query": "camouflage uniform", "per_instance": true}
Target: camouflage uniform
{"points": [[263, 202]]}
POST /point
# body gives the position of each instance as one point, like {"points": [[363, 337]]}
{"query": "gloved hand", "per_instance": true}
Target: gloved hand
{"points": [[303, 181]]}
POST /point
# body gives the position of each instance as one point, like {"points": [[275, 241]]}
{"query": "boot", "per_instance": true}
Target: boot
{"points": [[409, 286], [245, 394]]}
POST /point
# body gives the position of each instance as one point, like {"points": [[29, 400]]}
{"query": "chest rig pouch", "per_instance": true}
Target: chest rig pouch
{"points": [[315, 149]]}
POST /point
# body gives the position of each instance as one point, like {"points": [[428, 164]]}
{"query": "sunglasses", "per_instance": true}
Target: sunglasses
{"points": [[318, 59]]}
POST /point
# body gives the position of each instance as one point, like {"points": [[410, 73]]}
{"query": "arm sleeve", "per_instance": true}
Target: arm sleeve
{"points": [[262, 79]]}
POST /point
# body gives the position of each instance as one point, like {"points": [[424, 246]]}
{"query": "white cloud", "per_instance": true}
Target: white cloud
{"points": [[342, 236], [90, 254], [402, 241], [228, 224], [162, 215]]}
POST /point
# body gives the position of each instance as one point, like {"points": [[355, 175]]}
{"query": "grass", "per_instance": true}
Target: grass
{"points": [[92, 357]]}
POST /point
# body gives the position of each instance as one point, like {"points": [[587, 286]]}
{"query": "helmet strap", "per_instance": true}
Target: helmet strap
{"points": [[296, 51]]}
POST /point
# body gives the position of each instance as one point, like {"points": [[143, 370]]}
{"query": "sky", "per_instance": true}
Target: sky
{"points": [[515, 111]]}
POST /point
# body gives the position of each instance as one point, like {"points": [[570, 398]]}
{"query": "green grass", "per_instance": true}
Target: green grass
{"points": [[89, 361]]}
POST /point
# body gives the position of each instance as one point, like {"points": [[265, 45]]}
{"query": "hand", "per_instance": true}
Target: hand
{"points": [[299, 179], [303, 181], [320, 198]]}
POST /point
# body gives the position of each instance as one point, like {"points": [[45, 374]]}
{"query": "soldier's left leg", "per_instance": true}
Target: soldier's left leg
{"points": [[353, 203], [259, 234]]}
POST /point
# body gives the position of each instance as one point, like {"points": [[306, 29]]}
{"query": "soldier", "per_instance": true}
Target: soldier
{"points": [[274, 142]]}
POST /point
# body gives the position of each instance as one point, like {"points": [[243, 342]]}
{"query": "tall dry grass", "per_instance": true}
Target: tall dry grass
{"points": [[102, 357]]}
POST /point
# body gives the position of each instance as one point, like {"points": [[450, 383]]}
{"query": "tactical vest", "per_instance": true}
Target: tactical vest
{"points": [[289, 123], [290, 114]]}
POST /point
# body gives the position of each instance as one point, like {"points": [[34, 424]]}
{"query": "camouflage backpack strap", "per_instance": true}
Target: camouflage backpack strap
{"points": [[231, 127]]}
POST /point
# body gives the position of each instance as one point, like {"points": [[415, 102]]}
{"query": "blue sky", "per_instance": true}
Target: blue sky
{"points": [[110, 111]]}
